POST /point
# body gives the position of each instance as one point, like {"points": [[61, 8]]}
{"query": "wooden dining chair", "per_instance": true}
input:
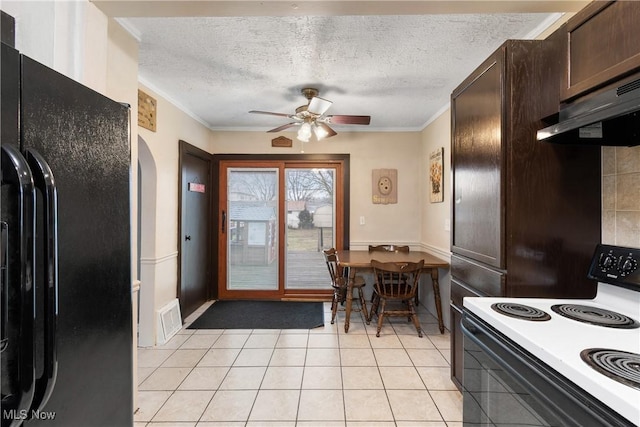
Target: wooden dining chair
{"points": [[389, 248], [396, 284], [339, 282]]}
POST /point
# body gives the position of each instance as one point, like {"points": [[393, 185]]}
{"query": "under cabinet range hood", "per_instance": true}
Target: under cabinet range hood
{"points": [[609, 118]]}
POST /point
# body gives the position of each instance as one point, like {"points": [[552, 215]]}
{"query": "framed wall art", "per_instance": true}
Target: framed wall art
{"points": [[436, 168], [147, 106], [384, 186]]}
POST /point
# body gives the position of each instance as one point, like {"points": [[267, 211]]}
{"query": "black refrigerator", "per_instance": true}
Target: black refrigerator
{"points": [[66, 351]]}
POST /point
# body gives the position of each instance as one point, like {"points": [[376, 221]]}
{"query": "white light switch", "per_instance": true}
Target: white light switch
{"points": [[447, 224], [361, 220]]}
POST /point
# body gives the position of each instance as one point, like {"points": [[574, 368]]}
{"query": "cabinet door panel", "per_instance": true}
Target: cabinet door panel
{"points": [[603, 45], [477, 160]]}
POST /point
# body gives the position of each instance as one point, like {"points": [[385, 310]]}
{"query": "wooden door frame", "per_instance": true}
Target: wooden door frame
{"points": [[187, 149], [343, 159]]}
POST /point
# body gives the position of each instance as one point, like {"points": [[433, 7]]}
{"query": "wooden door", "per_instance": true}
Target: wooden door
{"points": [[194, 237]]}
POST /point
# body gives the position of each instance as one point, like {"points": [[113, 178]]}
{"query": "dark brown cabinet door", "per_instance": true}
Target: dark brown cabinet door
{"points": [[477, 166], [602, 45]]}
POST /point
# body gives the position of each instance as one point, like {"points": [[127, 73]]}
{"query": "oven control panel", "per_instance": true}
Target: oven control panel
{"points": [[616, 265]]}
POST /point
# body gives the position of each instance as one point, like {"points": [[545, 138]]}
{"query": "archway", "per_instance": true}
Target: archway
{"points": [[147, 190]]}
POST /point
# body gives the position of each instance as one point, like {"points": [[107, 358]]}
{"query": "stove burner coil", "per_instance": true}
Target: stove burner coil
{"points": [[595, 316], [618, 365], [520, 311]]}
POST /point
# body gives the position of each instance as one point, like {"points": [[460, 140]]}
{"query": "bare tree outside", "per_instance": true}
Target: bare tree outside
{"points": [[324, 178], [309, 184], [253, 185]]}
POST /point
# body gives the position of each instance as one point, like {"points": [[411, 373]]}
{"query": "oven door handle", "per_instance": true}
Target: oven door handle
{"points": [[469, 326]]}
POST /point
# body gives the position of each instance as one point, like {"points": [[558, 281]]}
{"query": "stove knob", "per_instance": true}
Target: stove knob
{"points": [[628, 266], [607, 262]]}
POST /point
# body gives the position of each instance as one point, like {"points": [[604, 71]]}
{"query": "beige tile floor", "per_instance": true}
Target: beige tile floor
{"points": [[305, 378]]}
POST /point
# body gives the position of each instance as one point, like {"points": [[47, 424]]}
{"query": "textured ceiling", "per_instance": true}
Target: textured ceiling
{"points": [[399, 69]]}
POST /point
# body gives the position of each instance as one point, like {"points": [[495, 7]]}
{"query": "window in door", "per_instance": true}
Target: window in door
{"points": [[252, 215], [310, 225]]}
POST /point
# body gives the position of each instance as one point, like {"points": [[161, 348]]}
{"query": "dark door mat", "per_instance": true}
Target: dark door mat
{"points": [[261, 315]]}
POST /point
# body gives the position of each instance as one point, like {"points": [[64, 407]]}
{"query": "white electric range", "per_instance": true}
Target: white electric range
{"points": [[588, 351]]}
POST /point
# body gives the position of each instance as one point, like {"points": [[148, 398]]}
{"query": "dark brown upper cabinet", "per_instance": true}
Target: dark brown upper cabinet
{"points": [[602, 46]]}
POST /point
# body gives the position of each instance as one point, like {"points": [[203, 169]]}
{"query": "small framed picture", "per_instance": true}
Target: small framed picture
{"points": [[384, 186], [436, 167]]}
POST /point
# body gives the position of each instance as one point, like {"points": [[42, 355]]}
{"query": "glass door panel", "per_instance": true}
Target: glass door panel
{"points": [[310, 227], [252, 237]]}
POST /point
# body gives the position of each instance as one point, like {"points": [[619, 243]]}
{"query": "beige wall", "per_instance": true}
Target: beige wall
{"points": [[435, 235], [393, 223], [122, 85], [436, 217]]}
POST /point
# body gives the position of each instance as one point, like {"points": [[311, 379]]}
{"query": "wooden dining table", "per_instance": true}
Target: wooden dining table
{"points": [[355, 260]]}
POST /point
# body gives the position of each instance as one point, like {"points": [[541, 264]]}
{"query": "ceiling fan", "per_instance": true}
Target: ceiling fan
{"points": [[312, 118]]}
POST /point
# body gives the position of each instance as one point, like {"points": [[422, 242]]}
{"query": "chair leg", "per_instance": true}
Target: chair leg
{"points": [[374, 306], [334, 307], [363, 303], [414, 317], [381, 316]]}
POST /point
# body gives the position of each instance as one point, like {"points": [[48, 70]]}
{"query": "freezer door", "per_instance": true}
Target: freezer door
{"points": [[17, 356], [84, 137]]}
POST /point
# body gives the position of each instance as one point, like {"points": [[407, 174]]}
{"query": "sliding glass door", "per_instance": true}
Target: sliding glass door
{"points": [[276, 219], [310, 226], [252, 238]]}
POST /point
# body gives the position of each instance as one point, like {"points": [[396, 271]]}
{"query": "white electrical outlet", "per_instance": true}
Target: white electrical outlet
{"points": [[362, 220], [447, 224]]}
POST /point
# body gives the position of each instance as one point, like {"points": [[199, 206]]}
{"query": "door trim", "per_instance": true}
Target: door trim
{"points": [[187, 149]]}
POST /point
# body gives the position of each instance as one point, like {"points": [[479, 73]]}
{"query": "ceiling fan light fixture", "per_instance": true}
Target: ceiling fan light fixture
{"points": [[312, 119], [304, 133], [319, 131]]}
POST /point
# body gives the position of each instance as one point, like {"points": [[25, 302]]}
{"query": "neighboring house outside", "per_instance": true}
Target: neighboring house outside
{"points": [[294, 207], [252, 233]]}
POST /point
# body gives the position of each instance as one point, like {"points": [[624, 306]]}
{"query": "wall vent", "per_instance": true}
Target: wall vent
{"points": [[169, 321]]}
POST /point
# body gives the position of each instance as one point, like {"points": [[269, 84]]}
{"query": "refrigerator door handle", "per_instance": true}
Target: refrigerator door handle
{"points": [[15, 172], [4, 281], [45, 182]]}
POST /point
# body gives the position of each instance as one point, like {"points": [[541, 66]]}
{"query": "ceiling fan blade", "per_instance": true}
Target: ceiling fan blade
{"points": [[349, 120], [318, 105], [330, 132], [283, 127], [270, 113]]}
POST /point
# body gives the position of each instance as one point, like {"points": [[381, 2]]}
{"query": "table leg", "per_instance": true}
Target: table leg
{"points": [[436, 295], [347, 316]]}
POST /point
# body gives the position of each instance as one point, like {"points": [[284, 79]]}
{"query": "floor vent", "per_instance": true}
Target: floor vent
{"points": [[169, 321]]}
